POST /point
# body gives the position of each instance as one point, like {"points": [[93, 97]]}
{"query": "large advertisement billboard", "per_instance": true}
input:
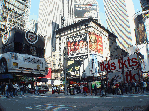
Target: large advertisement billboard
{"points": [[85, 10], [95, 43], [77, 46]]}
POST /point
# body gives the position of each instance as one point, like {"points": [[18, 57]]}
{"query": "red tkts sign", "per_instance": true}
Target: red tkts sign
{"points": [[130, 65], [117, 64]]}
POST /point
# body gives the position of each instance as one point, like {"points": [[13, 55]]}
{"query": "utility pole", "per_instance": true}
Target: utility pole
{"points": [[65, 66]]}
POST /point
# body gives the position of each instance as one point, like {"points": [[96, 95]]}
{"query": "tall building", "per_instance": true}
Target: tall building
{"points": [[54, 14], [119, 15], [14, 13], [48, 21]]}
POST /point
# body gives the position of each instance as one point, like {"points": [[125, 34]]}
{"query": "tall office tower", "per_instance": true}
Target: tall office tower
{"points": [[120, 21], [14, 13], [144, 5], [49, 20]]}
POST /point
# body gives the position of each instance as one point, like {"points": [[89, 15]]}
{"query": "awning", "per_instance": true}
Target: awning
{"points": [[6, 76]]}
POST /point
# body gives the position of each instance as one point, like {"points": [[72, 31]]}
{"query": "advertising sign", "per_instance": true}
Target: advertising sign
{"points": [[130, 65], [95, 44], [78, 46], [116, 65], [85, 10]]}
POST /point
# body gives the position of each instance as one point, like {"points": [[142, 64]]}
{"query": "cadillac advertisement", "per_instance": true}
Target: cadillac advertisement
{"points": [[85, 10], [95, 44]]}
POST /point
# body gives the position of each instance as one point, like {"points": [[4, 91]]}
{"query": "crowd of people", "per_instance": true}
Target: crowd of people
{"points": [[11, 90], [117, 88]]}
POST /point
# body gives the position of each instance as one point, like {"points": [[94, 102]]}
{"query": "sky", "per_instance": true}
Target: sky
{"points": [[35, 7]]}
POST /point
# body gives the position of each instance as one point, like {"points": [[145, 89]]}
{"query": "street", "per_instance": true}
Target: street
{"points": [[49, 102]]}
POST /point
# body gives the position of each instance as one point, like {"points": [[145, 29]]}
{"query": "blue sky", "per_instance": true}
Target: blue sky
{"points": [[35, 7]]}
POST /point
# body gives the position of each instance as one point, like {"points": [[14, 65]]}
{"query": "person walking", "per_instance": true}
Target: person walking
{"points": [[137, 87], [82, 89], [101, 89], [121, 88], [141, 87], [3, 88], [95, 89], [85, 90], [22, 90], [6, 90], [10, 89], [36, 87]]}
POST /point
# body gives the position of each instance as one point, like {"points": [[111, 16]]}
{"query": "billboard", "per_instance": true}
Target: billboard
{"points": [[79, 46], [85, 10], [95, 44]]}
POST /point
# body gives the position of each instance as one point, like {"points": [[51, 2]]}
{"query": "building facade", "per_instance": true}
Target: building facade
{"points": [[14, 13], [81, 46], [120, 21]]}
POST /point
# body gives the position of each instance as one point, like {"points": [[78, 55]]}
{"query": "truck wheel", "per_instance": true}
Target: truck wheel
{"points": [[3, 66]]}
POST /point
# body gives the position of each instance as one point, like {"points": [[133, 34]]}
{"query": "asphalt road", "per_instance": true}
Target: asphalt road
{"points": [[75, 103]]}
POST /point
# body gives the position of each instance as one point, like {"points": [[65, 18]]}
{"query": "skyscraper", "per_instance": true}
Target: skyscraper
{"points": [[119, 15], [48, 21]]}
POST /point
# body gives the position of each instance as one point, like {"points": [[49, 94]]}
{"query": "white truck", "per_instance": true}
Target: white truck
{"points": [[22, 52]]}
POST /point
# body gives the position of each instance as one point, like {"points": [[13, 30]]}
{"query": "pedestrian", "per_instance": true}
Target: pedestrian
{"points": [[10, 89], [36, 87], [3, 88], [6, 90], [144, 86], [141, 87], [82, 89], [137, 87], [95, 89], [22, 90], [133, 87], [121, 88], [101, 89], [85, 90], [117, 87]]}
